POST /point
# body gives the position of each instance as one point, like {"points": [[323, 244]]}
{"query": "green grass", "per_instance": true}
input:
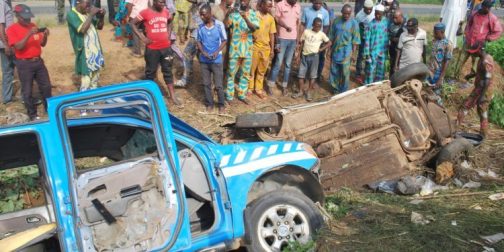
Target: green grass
{"points": [[381, 222]]}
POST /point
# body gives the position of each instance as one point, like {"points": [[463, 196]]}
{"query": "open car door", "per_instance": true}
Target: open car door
{"points": [[122, 162]]}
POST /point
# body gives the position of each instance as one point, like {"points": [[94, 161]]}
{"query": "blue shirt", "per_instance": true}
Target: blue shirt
{"points": [[211, 39], [309, 14]]}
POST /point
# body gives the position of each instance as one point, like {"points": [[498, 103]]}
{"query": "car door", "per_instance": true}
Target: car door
{"points": [[126, 192]]}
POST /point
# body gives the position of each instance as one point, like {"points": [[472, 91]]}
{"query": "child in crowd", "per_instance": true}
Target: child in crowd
{"points": [[122, 29], [313, 42], [211, 40]]}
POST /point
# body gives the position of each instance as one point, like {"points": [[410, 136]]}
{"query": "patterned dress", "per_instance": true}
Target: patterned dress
{"points": [[441, 51], [240, 52], [376, 48], [344, 34]]}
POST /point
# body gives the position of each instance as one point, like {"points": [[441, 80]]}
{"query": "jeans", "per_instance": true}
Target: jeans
{"points": [[309, 66], [287, 48], [206, 75], [30, 70], [152, 60], [7, 76]]}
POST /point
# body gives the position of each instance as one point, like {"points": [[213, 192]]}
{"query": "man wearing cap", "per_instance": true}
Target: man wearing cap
{"points": [[83, 21], [482, 26], [27, 40], [396, 28], [482, 93], [363, 18], [453, 15], [6, 54], [345, 35], [412, 45], [376, 46], [441, 54]]}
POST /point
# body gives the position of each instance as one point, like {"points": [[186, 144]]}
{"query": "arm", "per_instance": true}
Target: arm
{"points": [[3, 38], [200, 48], [252, 27], [44, 39], [134, 26], [325, 46], [398, 56], [129, 7], [85, 26], [22, 43], [272, 44], [495, 30], [424, 54]]}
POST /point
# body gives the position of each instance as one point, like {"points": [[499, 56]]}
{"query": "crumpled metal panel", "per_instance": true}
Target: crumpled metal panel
{"points": [[363, 163]]}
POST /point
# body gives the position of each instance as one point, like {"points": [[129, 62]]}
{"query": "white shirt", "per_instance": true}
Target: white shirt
{"points": [[412, 47], [138, 6]]}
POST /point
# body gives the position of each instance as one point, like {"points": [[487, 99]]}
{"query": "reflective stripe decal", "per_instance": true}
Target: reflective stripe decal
{"points": [[270, 161], [272, 149], [225, 160], [240, 157], [257, 153], [287, 147]]}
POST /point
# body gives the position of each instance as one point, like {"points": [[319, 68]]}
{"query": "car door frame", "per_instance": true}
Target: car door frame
{"points": [[180, 238]]}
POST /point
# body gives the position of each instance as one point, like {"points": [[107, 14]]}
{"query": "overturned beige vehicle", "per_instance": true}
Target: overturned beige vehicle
{"points": [[371, 133]]}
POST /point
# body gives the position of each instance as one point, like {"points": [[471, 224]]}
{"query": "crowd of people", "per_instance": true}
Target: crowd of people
{"points": [[242, 45]]}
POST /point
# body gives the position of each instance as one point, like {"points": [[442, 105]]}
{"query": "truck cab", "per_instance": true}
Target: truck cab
{"points": [[128, 176]]}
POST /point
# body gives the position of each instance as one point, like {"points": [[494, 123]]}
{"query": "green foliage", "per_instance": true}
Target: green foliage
{"points": [[497, 110], [18, 187], [496, 49], [298, 247]]}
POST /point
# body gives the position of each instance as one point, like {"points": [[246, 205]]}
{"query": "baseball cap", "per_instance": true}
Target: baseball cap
{"points": [[412, 22], [23, 10]]}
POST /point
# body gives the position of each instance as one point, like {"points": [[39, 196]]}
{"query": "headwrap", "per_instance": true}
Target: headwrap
{"points": [[380, 7], [439, 27]]}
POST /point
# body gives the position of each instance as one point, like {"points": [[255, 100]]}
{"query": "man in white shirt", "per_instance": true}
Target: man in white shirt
{"points": [[412, 45]]}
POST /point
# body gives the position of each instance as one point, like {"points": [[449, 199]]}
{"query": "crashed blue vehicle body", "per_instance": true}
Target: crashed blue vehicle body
{"points": [[129, 176]]}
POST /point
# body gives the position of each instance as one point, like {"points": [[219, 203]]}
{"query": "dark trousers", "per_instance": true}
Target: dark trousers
{"points": [[206, 74], [392, 54], [33, 70], [152, 60]]}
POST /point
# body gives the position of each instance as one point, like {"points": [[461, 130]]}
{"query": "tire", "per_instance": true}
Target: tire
{"points": [[262, 213], [454, 151], [258, 120], [417, 71]]}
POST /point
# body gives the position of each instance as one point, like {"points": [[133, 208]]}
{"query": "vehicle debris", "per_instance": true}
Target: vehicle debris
{"points": [[420, 219], [372, 133], [492, 239], [496, 196]]}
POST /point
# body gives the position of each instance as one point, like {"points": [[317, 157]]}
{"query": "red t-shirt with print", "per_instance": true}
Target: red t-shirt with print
{"points": [[156, 27], [17, 32]]}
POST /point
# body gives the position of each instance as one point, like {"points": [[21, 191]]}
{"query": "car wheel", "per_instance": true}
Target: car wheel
{"points": [[417, 71], [281, 217], [258, 120]]}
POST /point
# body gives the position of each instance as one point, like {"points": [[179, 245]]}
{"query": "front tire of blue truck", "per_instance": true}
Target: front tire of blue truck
{"points": [[280, 218]]}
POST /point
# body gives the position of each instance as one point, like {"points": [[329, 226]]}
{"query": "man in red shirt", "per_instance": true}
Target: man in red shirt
{"points": [[27, 40], [156, 21]]}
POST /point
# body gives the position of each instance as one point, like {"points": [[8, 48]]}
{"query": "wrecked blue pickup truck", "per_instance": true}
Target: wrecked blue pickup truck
{"points": [[129, 176]]}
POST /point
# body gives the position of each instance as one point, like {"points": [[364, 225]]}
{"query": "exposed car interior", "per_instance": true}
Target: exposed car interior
{"points": [[121, 190]]}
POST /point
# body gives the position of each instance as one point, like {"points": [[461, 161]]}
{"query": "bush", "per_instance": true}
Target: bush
{"points": [[497, 110], [496, 49]]}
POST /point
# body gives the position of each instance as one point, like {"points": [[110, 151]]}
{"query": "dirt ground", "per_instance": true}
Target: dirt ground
{"points": [[363, 221]]}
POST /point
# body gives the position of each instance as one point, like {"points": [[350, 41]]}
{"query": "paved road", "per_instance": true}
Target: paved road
{"points": [[48, 8]]}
